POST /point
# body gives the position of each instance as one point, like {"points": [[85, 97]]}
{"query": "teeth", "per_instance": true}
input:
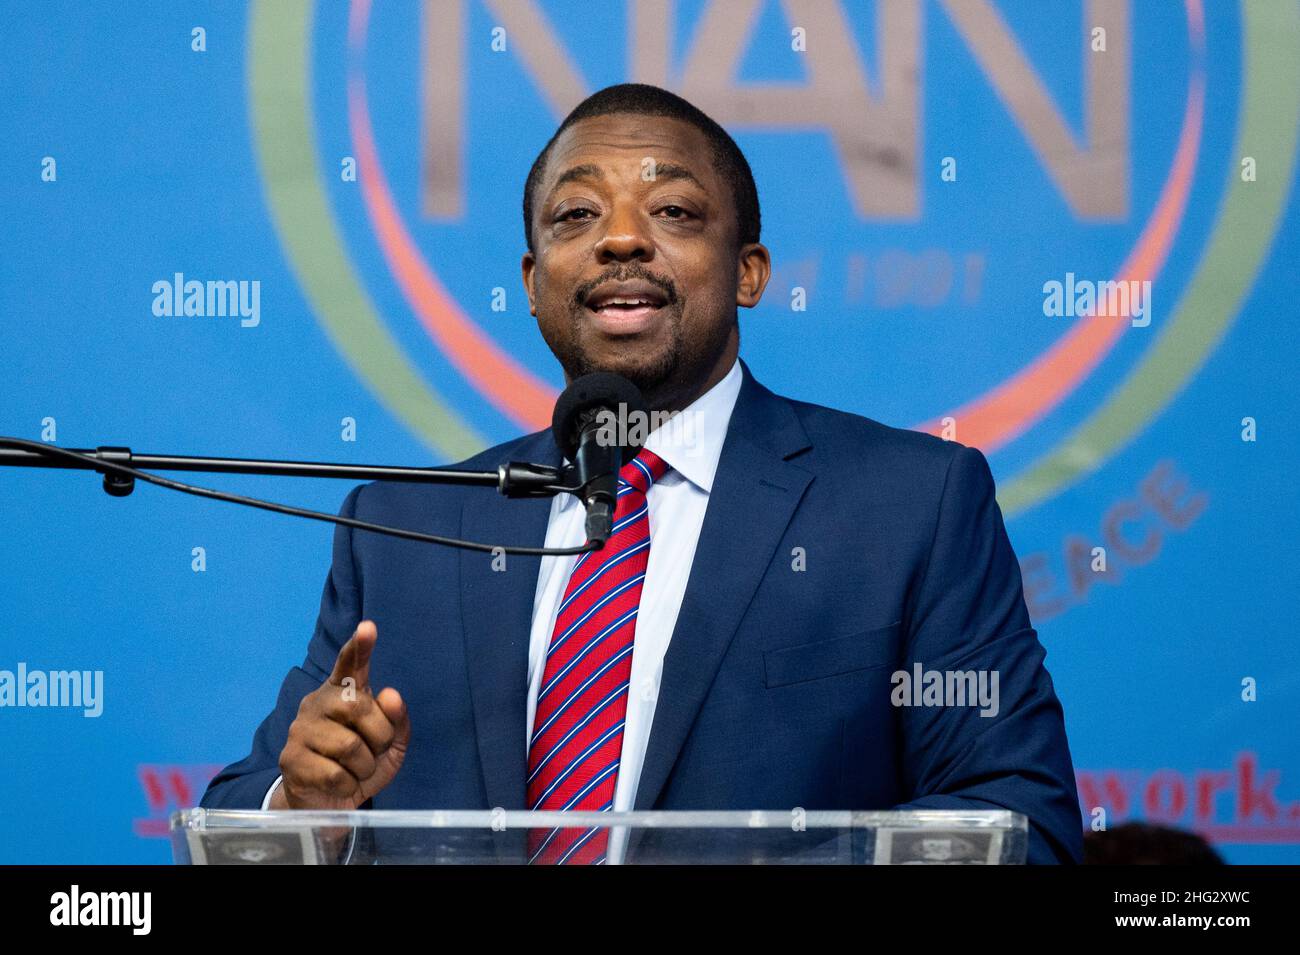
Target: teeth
{"points": [[623, 301]]}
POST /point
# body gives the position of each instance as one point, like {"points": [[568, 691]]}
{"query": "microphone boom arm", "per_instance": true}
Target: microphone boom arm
{"points": [[121, 467]]}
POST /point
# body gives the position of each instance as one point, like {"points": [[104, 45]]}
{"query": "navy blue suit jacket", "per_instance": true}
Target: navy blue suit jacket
{"points": [[776, 684]]}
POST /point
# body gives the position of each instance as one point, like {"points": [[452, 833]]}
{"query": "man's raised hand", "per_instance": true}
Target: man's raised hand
{"points": [[346, 744]]}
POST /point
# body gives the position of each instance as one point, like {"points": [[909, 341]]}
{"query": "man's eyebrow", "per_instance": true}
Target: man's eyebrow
{"points": [[665, 171], [573, 173], [671, 170]]}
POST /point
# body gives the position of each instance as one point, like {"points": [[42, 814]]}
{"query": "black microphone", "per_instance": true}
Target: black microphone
{"points": [[591, 428]]}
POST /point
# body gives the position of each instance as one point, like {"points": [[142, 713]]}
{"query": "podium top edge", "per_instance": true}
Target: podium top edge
{"points": [[796, 818]]}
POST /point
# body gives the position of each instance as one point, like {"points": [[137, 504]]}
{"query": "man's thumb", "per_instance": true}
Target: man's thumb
{"points": [[394, 707]]}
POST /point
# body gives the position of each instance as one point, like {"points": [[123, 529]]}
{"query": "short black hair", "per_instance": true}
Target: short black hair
{"points": [[647, 100]]}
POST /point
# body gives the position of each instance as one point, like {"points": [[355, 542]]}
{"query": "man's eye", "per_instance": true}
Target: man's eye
{"points": [[565, 216], [677, 212]]}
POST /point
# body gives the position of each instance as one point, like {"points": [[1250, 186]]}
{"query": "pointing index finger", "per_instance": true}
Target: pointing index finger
{"points": [[354, 659]]}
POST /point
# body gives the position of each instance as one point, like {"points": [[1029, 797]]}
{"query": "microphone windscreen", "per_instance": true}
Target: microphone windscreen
{"points": [[583, 399]]}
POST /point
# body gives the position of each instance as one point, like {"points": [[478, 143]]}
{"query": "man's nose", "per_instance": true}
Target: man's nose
{"points": [[625, 236]]}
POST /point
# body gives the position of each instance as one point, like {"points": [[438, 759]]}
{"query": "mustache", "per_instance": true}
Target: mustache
{"points": [[583, 291]]}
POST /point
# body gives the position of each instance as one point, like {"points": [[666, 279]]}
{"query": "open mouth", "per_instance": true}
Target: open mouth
{"points": [[626, 309]]}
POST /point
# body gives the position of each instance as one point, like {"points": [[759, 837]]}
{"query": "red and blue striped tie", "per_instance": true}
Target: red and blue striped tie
{"points": [[577, 736]]}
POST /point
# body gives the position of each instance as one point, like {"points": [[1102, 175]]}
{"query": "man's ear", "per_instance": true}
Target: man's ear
{"points": [[753, 268], [527, 265]]}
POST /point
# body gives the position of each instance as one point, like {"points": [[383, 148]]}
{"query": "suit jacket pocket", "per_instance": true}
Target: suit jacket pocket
{"points": [[813, 661]]}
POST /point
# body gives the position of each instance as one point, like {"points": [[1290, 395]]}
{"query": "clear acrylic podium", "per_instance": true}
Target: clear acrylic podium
{"points": [[483, 837]]}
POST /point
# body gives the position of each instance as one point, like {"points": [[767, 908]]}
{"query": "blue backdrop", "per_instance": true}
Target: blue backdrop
{"points": [[926, 171]]}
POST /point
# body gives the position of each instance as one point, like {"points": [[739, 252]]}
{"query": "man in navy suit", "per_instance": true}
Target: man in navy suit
{"points": [[780, 572]]}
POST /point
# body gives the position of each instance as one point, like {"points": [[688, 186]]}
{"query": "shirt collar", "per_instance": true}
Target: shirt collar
{"points": [[691, 441]]}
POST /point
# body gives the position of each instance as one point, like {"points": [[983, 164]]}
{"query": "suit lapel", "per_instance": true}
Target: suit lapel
{"points": [[755, 493], [497, 610]]}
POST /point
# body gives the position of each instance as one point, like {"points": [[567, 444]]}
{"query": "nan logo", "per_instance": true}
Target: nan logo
{"points": [[103, 908]]}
